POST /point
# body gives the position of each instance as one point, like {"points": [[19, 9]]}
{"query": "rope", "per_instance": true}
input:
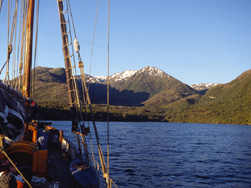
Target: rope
{"points": [[72, 79], [13, 25], [3, 67], [74, 62], [9, 12], [6, 155], [94, 36], [69, 7], [69, 13], [22, 59], [112, 182], [14, 60], [7, 66], [108, 96], [19, 37], [101, 156], [86, 115], [35, 52], [14, 53]]}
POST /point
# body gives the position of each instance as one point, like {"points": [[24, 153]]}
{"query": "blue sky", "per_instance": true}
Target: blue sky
{"points": [[195, 41]]}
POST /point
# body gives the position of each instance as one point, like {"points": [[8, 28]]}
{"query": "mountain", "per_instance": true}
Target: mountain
{"points": [[240, 88], [158, 96], [151, 85], [148, 79], [202, 88], [50, 84], [232, 100], [148, 86], [225, 103], [163, 88]]}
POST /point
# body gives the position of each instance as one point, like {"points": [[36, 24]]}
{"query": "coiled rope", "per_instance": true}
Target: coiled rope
{"points": [[6, 155]]}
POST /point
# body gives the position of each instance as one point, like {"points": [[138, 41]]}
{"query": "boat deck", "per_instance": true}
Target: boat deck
{"points": [[58, 168]]}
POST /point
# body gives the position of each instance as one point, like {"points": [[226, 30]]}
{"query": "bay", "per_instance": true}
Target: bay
{"points": [[153, 154]]}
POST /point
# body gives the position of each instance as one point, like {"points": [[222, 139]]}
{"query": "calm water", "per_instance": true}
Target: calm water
{"points": [[176, 154]]}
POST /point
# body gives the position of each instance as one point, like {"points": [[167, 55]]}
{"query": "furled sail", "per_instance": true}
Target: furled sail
{"points": [[12, 116]]}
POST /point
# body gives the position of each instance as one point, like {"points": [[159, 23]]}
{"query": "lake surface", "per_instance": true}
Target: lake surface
{"points": [[149, 154]]}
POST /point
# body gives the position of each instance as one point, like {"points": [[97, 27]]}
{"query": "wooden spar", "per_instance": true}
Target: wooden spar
{"points": [[72, 90], [68, 67], [28, 49]]}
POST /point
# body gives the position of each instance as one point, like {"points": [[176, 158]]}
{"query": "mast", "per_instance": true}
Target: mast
{"points": [[28, 49], [68, 66]]}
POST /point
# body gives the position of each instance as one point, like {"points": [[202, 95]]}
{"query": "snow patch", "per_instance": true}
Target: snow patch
{"points": [[152, 71], [203, 86], [123, 76]]}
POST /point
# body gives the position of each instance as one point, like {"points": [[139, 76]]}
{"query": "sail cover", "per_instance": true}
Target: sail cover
{"points": [[12, 115]]}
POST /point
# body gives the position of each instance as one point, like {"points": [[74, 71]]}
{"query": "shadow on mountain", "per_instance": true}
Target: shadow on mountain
{"points": [[125, 97], [202, 92]]}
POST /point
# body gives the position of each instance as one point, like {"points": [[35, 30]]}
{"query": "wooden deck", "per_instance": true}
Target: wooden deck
{"points": [[58, 168]]}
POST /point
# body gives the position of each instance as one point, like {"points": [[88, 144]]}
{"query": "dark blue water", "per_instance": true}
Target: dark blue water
{"points": [[177, 154]]}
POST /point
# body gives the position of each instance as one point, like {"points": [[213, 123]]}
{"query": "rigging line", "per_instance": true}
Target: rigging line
{"points": [[35, 52], [108, 96], [20, 23], [22, 37], [94, 37], [86, 116], [73, 96], [73, 56], [14, 35], [69, 7], [10, 38], [7, 66], [23, 44], [13, 25], [3, 67], [9, 7], [74, 62], [14, 60], [101, 156]]}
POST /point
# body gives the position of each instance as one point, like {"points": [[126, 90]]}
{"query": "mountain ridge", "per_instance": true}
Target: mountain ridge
{"points": [[158, 98], [130, 87]]}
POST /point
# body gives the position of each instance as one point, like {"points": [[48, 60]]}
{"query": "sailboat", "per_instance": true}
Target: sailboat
{"points": [[34, 153]]}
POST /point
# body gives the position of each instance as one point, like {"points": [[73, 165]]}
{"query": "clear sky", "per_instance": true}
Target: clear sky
{"points": [[195, 41]]}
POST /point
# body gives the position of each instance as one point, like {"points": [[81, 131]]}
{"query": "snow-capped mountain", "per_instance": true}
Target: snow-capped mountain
{"points": [[118, 77], [94, 79], [204, 86], [118, 80], [147, 86], [123, 76], [115, 77], [152, 71]]}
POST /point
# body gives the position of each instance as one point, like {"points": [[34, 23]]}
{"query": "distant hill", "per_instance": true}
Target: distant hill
{"points": [[225, 103], [50, 84]]}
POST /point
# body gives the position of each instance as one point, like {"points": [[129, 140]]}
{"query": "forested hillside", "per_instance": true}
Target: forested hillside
{"points": [[150, 95]]}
